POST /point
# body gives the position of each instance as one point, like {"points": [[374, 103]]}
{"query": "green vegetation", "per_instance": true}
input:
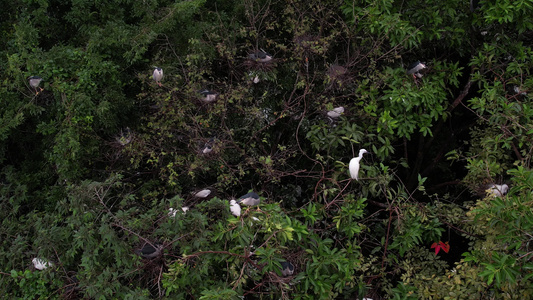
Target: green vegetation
{"points": [[91, 164]]}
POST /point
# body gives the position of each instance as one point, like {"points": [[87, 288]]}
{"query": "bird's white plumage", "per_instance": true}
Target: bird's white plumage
{"points": [[158, 75], [416, 67], [41, 264], [203, 193], [172, 212], [235, 208], [207, 149], [336, 112], [210, 97], [497, 190], [35, 81], [355, 163]]}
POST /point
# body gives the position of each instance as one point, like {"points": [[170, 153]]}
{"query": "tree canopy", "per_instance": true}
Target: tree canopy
{"points": [[101, 165]]}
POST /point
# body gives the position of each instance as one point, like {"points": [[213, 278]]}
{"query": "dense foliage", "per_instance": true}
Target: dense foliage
{"points": [[91, 165]]}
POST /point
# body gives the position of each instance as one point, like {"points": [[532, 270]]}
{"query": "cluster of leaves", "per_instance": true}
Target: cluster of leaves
{"points": [[91, 165]]}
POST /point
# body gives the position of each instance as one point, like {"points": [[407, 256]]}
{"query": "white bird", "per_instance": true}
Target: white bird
{"points": [[354, 164], [172, 212], [497, 190], [235, 208], [158, 75], [203, 193], [41, 264], [336, 112]]}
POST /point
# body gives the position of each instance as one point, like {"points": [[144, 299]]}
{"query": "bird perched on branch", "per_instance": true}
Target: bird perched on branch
{"points": [[354, 164], [415, 68], [158, 75], [34, 82], [208, 146], [250, 199], [149, 251], [336, 112]]}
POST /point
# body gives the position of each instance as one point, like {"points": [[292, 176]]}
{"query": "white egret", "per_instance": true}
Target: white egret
{"points": [[235, 208], [497, 190], [172, 212], [158, 75], [336, 112], [354, 164], [41, 264]]}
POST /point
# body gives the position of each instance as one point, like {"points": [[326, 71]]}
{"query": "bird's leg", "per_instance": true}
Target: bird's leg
{"points": [[415, 79], [159, 83]]}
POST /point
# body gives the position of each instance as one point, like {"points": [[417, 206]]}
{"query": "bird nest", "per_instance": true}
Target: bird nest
{"points": [[261, 66], [308, 43], [338, 76]]}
